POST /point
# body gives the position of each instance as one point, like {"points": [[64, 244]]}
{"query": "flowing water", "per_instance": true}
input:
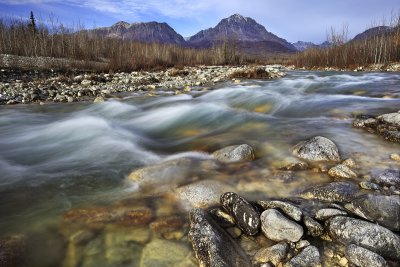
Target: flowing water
{"points": [[61, 157]]}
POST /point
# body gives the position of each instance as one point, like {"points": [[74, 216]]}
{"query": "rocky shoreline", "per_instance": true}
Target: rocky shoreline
{"points": [[48, 86]]}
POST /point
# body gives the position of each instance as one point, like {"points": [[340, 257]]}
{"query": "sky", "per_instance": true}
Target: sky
{"points": [[306, 20]]}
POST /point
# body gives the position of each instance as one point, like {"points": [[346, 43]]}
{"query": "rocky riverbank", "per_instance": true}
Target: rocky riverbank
{"points": [[49, 86], [391, 67]]}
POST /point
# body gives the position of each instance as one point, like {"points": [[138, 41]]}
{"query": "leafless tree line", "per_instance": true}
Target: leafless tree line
{"points": [[383, 47], [53, 39]]}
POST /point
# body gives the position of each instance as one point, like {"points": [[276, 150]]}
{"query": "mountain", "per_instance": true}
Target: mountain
{"points": [[149, 32], [375, 31], [245, 31], [301, 46]]}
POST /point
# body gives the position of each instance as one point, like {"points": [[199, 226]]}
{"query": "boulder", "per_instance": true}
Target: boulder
{"points": [[365, 234], [389, 177], [245, 215], [363, 257], [390, 118], [238, 153], [278, 228], [212, 245], [384, 210], [317, 149]]}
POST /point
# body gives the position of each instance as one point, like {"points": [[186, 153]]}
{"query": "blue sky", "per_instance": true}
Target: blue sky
{"points": [[307, 20]]}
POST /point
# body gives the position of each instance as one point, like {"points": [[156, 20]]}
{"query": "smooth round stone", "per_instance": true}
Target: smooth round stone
{"points": [[277, 227], [232, 154], [318, 148]]}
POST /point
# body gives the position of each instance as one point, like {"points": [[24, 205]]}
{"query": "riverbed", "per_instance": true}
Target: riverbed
{"points": [[57, 159]]}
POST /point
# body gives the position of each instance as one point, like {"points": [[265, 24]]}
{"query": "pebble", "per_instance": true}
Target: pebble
{"points": [[277, 227]]}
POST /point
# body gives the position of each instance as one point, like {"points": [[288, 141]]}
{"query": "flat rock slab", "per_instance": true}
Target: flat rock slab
{"points": [[365, 234], [212, 245], [318, 148], [278, 228], [363, 257]]}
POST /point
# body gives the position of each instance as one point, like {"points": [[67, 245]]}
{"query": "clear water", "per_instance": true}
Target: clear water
{"points": [[60, 157]]}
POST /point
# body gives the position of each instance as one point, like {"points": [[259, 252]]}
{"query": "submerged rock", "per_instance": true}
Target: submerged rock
{"points": [[365, 234], [275, 254], [388, 177], [13, 250], [336, 191], [212, 245], [163, 253], [317, 149], [167, 175], [364, 258], [384, 210], [245, 215], [342, 171], [365, 121], [277, 227], [233, 154], [202, 194], [308, 257], [289, 209]]}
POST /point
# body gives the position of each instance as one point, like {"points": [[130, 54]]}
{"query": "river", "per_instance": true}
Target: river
{"points": [[58, 157]]}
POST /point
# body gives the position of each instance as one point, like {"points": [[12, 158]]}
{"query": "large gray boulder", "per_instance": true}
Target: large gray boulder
{"points": [[317, 149], [390, 118], [363, 257], [388, 177], [212, 245], [365, 234], [384, 210], [278, 228]]}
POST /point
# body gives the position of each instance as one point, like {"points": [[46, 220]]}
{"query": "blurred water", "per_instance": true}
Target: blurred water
{"points": [[53, 157]]}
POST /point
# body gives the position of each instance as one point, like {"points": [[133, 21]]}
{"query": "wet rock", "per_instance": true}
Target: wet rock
{"points": [[395, 157], [342, 171], [81, 237], [369, 186], [212, 245], [349, 163], [94, 216], [233, 154], [314, 228], [98, 99], [292, 164], [390, 118], [13, 250], [274, 254], [163, 253], [167, 224], [245, 215], [363, 257], [332, 192], [365, 234], [365, 121], [289, 209], [317, 149], [324, 214], [277, 227], [137, 216], [388, 177], [222, 217], [302, 244], [202, 194], [384, 210], [308, 257]]}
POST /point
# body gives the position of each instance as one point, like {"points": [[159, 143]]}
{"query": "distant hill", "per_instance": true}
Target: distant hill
{"points": [[375, 31], [301, 46], [246, 31], [147, 32]]}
